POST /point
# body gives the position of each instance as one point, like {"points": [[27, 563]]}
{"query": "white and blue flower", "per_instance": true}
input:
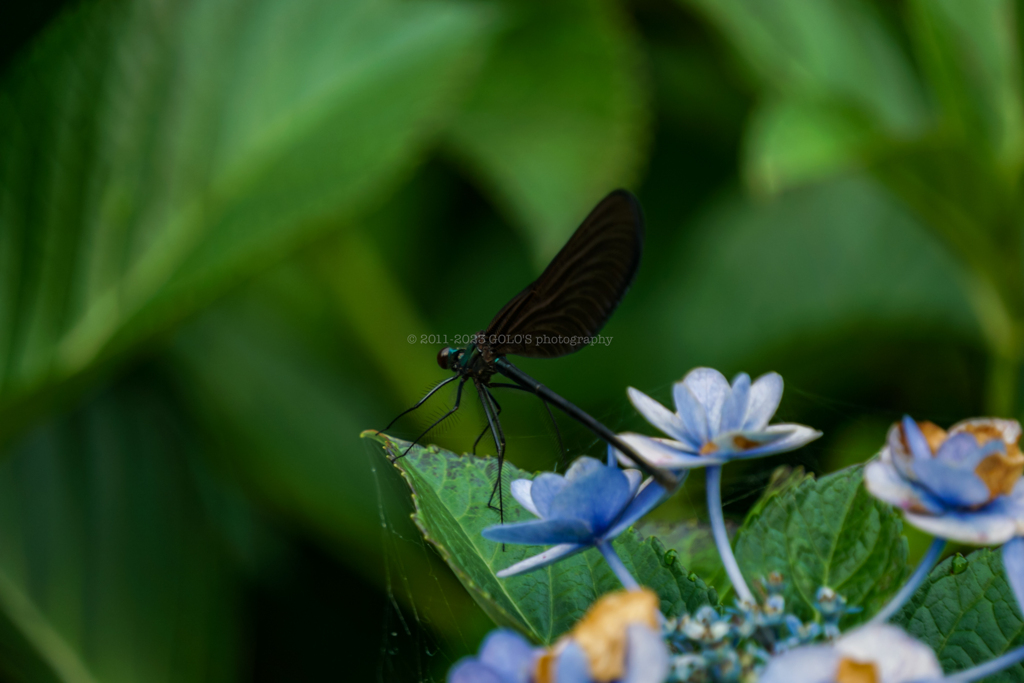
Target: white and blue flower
{"points": [[504, 657], [618, 640], [963, 485], [715, 422], [875, 654], [592, 504]]}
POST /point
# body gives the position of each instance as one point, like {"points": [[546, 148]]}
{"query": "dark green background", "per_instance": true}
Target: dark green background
{"points": [[221, 220]]}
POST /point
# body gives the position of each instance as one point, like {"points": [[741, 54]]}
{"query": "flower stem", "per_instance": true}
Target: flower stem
{"points": [[919, 575], [714, 486], [615, 562], [986, 669]]}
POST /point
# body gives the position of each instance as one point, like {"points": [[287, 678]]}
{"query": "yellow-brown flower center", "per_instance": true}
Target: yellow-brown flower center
{"points": [[601, 634], [999, 471], [708, 448], [741, 443], [933, 434], [851, 671]]}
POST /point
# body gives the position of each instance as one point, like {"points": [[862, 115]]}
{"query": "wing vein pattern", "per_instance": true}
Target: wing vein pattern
{"points": [[581, 287]]}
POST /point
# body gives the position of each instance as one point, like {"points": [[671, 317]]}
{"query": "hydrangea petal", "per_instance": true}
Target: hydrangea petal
{"points": [[730, 443], [663, 453], [897, 451], [540, 532], [596, 498], [1012, 505], [793, 436], [899, 657], [765, 396], [647, 658], [710, 389], [509, 654], [469, 670], [540, 560], [809, 664], [692, 415], [1013, 562], [634, 477], [646, 500], [522, 491], [884, 482], [545, 487], [915, 439], [952, 485], [962, 450], [658, 415], [583, 466], [734, 408], [572, 666], [981, 527], [1010, 429]]}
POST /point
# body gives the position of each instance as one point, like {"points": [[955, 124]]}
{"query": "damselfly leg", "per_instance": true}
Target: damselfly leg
{"points": [[419, 403], [458, 400]]}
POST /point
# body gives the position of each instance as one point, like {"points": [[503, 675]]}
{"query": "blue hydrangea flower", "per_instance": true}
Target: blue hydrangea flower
{"points": [[964, 485], [504, 657], [715, 422], [589, 506], [881, 653]]}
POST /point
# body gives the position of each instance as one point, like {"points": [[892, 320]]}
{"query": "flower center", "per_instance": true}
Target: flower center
{"points": [[743, 443], [708, 448], [851, 671], [739, 442], [999, 471]]}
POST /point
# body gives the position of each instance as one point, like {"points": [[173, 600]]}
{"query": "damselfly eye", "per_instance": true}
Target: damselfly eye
{"points": [[442, 357]]}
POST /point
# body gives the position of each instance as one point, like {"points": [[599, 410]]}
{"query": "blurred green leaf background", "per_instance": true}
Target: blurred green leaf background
{"points": [[222, 221]]}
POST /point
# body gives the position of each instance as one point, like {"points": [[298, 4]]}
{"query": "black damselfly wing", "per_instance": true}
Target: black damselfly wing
{"points": [[581, 287], [556, 315]]}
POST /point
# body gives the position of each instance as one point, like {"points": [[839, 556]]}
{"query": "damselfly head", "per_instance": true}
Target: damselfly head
{"points": [[448, 357]]}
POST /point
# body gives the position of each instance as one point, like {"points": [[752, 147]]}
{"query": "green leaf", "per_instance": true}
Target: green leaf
{"points": [[451, 494], [559, 116], [693, 545], [791, 142], [811, 264], [838, 87], [838, 53], [829, 532], [109, 569], [968, 615], [970, 53], [783, 480], [154, 154]]}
